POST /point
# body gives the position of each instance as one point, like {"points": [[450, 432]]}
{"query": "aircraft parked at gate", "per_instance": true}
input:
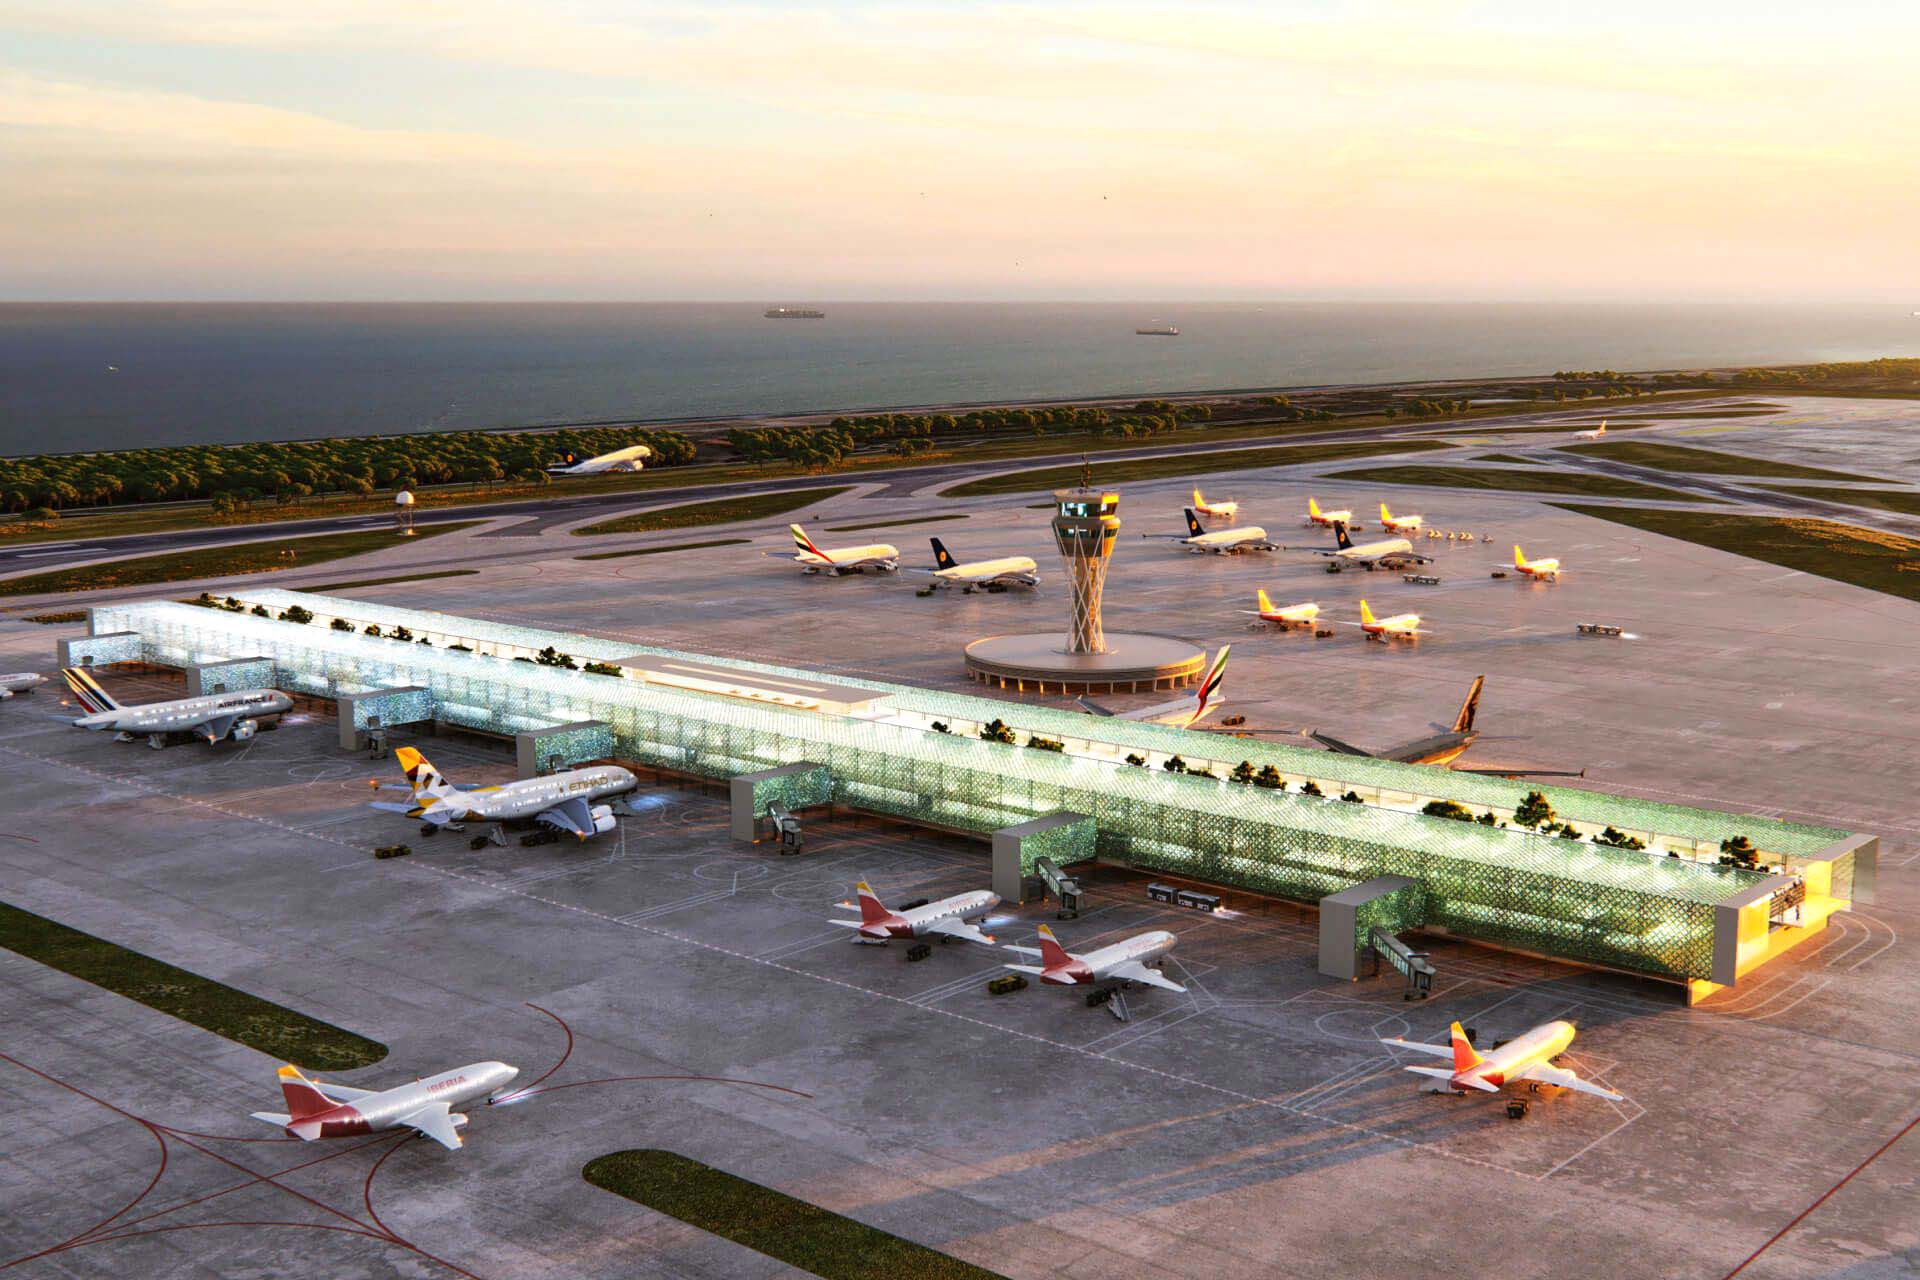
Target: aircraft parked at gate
{"points": [[1527, 1057], [1183, 712], [1399, 524], [215, 717], [628, 459], [20, 682], [1547, 570], [1383, 553], [1293, 615], [1404, 625], [992, 575], [947, 918], [562, 801], [1597, 433], [1121, 962], [1328, 519], [317, 1110], [1445, 747], [1227, 511], [1220, 542], [840, 560]]}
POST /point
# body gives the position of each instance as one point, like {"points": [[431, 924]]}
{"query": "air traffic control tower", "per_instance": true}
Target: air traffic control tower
{"points": [[1084, 658]]}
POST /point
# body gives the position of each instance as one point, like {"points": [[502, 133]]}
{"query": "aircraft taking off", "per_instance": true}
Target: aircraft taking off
{"points": [[1183, 712], [628, 459], [317, 1110], [1399, 524], [1527, 1057], [992, 575], [1445, 747], [561, 801], [1227, 511], [1293, 615], [1547, 570], [1595, 434], [1382, 553], [839, 560], [1121, 962], [1328, 518], [20, 682], [1220, 542], [214, 718], [1404, 625], [947, 918]]}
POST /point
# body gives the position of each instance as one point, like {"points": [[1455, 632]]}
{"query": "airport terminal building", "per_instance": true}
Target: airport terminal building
{"points": [[1669, 912]]}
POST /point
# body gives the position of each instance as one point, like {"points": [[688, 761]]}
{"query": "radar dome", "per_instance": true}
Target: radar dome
{"points": [[403, 499]]}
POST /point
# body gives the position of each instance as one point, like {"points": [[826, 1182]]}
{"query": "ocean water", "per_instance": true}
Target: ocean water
{"points": [[113, 376]]}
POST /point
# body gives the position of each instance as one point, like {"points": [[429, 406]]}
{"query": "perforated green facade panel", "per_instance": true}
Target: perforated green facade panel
{"points": [[803, 789]]}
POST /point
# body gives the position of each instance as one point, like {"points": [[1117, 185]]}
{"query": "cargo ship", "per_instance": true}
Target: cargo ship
{"points": [[794, 313], [1158, 331]]}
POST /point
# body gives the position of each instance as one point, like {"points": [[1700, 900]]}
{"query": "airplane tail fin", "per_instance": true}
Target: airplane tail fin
{"points": [[942, 558], [1463, 723], [1464, 1058], [1386, 516], [1340, 535], [1366, 615], [88, 690], [421, 775], [1519, 557], [804, 543], [1198, 501], [1210, 685], [303, 1099], [1313, 508], [1052, 954], [1603, 428], [872, 910], [1193, 523], [1266, 605]]}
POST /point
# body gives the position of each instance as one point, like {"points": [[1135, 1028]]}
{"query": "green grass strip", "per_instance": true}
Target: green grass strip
{"points": [[792, 1231], [890, 524], [1191, 464], [274, 1030], [1883, 562], [693, 515], [381, 582], [219, 562], [1705, 462], [1517, 481], [1904, 501], [1509, 458], [654, 551]]}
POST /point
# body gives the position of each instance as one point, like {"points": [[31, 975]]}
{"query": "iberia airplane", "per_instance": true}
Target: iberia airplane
{"points": [[1404, 625], [1527, 1057], [1293, 615], [1183, 712], [1594, 434], [1548, 569], [1398, 524], [839, 560], [1328, 518], [1225, 510]]}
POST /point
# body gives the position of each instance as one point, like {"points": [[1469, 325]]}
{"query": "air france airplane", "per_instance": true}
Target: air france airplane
{"points": [[215, 718], [947, 918], [628, 459], [1183, 712], [1527, 1057], [562, 801], [841, 560], [993, 575], [1121, 962], [316, 1110], [20, 682], [1220, 542]]}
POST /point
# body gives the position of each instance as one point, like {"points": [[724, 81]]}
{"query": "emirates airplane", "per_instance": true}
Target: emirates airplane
{"points": [[1227, 511], [213, 718], [316, 1110], [628, 459], [947, 918], [1183, 712], [1123, 962], [842, 560], [1527, 1057], [1293, 615]]}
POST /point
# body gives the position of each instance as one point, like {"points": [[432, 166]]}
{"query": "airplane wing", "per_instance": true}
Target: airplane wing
{"points": [[1134, 971], [959, 929], [574, 816], [1022, 951], [390, 806], [1446, 1073], [435, 1121], [1334, 744], [1519, 771], [217, 728], [5, 694], [1543, 1073], [1431, 1050], [1025, 968], [341, 1092], [1092, 708]]}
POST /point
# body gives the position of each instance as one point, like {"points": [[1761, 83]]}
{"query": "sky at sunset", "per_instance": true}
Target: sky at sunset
{"points": [[590, 149]]}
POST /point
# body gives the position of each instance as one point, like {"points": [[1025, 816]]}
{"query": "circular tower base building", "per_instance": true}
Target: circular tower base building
{"points": [[1044, 663]]}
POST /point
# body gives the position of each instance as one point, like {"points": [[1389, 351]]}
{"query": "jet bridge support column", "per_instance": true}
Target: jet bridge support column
{"points": [[100, 649], [1345, 917], [804, 784], [562, 746], [204, 678], [1066, 838], [366, 718]]}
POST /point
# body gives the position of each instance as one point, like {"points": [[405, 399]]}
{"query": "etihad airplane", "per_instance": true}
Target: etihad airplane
{"points": [[20, 682], [1328, 519], [1527, 1057], [1123, 962], [989, 575], [318, 1110], [1399, 524], [1183, 712], [1446, 746], [947, 918], [1383, 553], [1404, 625], [842, 560], [628, 459], [561, 801], [1293, 615], [1546, 570], [215, 717], [1595, 434], [1228, 511], [1220, 542]]}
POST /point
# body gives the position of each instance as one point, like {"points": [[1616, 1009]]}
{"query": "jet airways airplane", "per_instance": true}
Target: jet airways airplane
{"points": [[1546, 570], [316, 1110], [1220, 542], [561, 801], [841, 560], [1183, 712], [1527, 1057], [947, 918], [990, 575], [628, 459], [1404, 625], [20, 682], [1293, 615], [1399, 524], [215, 717], [1382, 553], [1124, 961], [1228, 511], [1597, 433], [1328, 518]]}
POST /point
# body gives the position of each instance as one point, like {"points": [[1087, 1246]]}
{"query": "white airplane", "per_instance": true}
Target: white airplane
{"points": [[317, 1110], [1220, 542], [1548, 570], [1184, 711], [990, 575], [1382, 553], [1595, 434], [1293, 615], [944, 919], [1399, 524], [842, 560], [215, 718], [1120, 962], [1404, 625], [20, 682], [1527, 1057], [1227, 511], [628, 459], [561, 801], [1328, 518]]}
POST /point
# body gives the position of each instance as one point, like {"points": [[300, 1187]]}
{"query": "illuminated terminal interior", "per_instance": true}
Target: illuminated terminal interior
{"points": [[918, 754]]}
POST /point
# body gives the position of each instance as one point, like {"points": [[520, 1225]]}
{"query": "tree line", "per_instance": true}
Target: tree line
{"points": [[910, 433]]}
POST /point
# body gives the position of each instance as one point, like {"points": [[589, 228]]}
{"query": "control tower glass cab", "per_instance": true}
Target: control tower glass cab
{"points": [[1085, 524]]}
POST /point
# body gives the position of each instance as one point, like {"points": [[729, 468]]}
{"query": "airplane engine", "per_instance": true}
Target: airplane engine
{"points": [[243, 730], [603, 819]]}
